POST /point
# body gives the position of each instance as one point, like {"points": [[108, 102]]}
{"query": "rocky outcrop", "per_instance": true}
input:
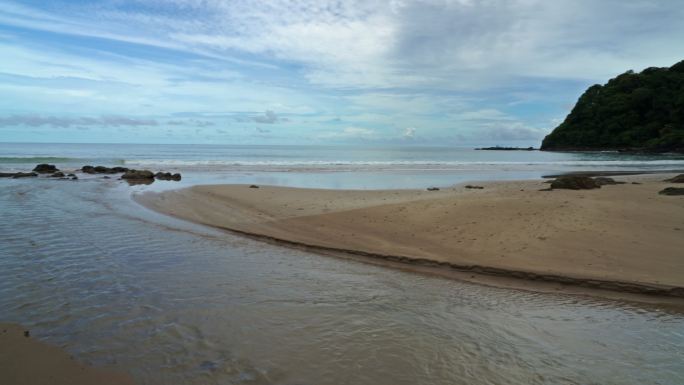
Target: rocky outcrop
{"points": [[433, 188], [672, 191], [678, 179], [45, 168], [474, 187], [602, 181], [575, 183], [58, 174], [167, 176], [103, 170]]}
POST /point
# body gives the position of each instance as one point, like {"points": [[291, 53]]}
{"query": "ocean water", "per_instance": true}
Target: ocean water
{"points": [[88, 269], [340, 167]]}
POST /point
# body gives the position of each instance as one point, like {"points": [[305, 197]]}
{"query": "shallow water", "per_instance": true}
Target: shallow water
{"points": [[86, 268]]}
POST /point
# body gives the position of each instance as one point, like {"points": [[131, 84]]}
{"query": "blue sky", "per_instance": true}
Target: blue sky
{"points": [[442, 72]]}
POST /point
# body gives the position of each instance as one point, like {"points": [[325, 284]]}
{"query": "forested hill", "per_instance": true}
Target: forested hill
{"points": [[634, 111]]}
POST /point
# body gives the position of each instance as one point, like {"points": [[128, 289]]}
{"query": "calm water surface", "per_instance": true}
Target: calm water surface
{"points": [[88, 269]]}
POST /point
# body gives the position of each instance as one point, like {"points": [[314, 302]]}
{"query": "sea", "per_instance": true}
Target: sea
{"points": [[86, 268]]}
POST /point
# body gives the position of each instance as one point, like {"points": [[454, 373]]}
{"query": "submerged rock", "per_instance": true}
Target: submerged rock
{"points": [[678, 179], [167, 176], [58, 174], [135, 182], [672, 191], [24, 175], [575, 183], [45, 168]]}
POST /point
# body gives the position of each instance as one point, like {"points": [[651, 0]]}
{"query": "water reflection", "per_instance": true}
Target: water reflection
{"points": [[87, 269]]}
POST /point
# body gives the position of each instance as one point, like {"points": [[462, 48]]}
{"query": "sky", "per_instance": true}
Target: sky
{"points": [[393, 72]]}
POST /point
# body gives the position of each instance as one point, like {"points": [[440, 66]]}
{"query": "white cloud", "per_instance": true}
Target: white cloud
{"points": [[450, 67], [65, 122], [445, 44]]}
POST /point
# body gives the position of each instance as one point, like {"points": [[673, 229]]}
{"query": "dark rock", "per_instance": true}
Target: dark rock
{"points": [[27, 333], [253, 186], [24, 175], [672, 191], [474, 187], [71, 175], [575, 183], [433, 188], [58, 174], [106, 177], [6, 174], [167, 176], [602, 181], [678, 179], [138, 174], [45, 168], [636, 183]]}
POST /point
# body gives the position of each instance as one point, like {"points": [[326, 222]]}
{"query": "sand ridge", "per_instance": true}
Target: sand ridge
{"points": [[623, 234]]}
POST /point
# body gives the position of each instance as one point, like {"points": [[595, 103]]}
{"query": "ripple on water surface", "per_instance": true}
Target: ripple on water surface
{"points": [[89, 270]]}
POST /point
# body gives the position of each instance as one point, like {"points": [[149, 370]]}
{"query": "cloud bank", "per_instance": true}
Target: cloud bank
{"points": [[483, 70]]}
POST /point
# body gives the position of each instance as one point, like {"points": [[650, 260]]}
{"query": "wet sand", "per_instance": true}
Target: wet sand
{"points": [[621, 237], [26, 361]]}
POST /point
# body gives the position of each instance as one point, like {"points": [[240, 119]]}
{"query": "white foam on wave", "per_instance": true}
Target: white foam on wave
{"points": [[320, 165]]}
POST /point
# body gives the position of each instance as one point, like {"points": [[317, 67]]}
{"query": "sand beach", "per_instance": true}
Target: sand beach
{"points": [[623, 237]]}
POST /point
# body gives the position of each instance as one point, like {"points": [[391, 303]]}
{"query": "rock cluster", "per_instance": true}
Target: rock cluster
{"points": [[103, 170], [132, 176]]}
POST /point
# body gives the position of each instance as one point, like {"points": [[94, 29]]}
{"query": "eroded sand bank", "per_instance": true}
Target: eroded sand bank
{"points": [[620, 237]]}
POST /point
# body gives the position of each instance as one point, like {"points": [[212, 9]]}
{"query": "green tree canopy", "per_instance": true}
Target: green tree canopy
{"points": [[639, 111]]}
